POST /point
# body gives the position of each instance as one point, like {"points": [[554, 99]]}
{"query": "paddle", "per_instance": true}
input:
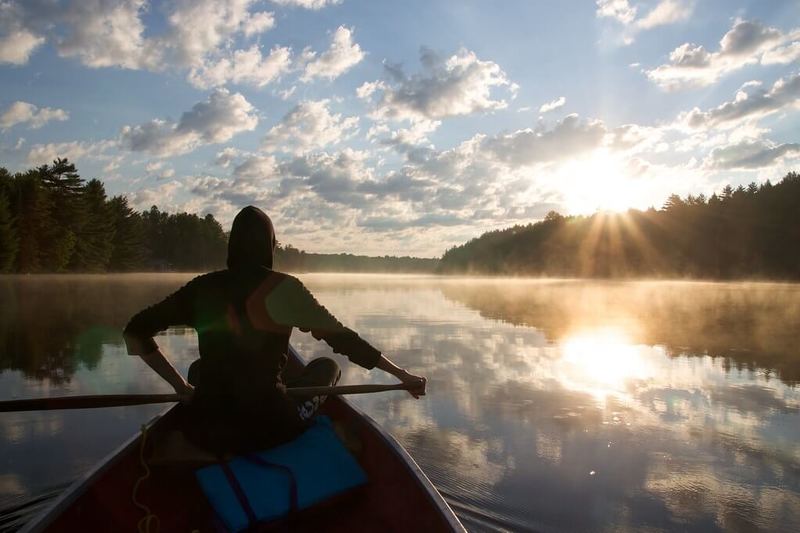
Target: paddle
{"points": [[117, 400]]}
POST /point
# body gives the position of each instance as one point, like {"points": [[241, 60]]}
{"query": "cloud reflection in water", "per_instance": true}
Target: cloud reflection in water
{"points": [[594, 424]]}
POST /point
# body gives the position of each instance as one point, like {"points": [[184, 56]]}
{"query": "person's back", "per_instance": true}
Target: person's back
{"points": [[244, 317]]}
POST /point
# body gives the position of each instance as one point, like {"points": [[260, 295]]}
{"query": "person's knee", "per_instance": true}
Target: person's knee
{"points": [[326, 367], [328, 364]]}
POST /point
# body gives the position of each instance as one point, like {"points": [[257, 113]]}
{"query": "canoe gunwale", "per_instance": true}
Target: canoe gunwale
{"points": [[422, 480]]}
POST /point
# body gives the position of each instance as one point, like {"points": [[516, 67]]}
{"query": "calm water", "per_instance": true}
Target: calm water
{"points": [[552, 405]]}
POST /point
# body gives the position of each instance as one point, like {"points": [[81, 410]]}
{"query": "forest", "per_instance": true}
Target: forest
{"points": [[52, 220], [746, 232]]}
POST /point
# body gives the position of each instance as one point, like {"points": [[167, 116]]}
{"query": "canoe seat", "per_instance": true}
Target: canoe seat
{"points": [[268, 485]]}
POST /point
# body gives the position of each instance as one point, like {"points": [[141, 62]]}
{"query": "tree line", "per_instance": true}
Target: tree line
{"points": [[52, 220], [746, 232], [290, 258]]}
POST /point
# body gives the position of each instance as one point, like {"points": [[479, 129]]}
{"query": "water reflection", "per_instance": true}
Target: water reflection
{"points": [[52, 325], [603, 362], [552, 405], [748, 325]]}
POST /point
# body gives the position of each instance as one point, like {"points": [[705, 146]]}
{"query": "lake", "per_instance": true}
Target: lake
{"points": [[552, 404]]}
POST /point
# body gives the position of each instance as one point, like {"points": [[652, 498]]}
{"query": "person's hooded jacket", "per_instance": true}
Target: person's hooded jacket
{"points": [[244, 316]]}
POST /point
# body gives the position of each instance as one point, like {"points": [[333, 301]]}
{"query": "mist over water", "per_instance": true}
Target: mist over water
{"points": [[552, 404]]}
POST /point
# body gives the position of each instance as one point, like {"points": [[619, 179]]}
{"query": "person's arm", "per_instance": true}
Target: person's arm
{"points": [[175, 309], [404, 376], [293, 305], [158, 362]]}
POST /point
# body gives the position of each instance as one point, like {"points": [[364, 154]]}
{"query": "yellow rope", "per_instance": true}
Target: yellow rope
{"points": [[149, 523]]}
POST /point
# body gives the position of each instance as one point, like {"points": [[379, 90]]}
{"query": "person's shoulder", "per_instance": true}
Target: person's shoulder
{"points": [[284, 278], [210, 279]]}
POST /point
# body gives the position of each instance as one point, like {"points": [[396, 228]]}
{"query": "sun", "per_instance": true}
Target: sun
{"points": [[600, 182]]}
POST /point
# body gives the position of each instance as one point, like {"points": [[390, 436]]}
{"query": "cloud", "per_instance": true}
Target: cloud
{"points": [[459, 85], [307, 4], [258, 23], [750, 154], [747, 42], [285, 94], [25, 113], [747, 37], [197, 34], [782, 55], [18, 36], [405, 139], [16, 46], [227, 156], [157, 169], [487, 176], [216, 120], [784, 93], [41, 154], [107, 34], [619, 10], [309, 126], [243, 67], [160, 196], [553, 105], [342, 55], [567, 138], [257, 167], [336, 178], [200, 27], [99, 33], [633, 137], [664, 13]]}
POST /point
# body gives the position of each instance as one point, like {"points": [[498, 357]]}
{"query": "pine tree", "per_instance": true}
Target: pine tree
{"points": [[128, 250], [94, 237], [8, 234], [68, 213], [31, 206]]}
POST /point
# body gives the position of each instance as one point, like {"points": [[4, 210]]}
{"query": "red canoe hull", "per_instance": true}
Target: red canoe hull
{"points": [[398, 496]]}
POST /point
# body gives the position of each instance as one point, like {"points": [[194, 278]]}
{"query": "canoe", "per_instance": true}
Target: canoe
{"points": [[398, 496]]}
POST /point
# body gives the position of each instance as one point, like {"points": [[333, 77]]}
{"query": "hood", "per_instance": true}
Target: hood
{"points": [[252, 239]]}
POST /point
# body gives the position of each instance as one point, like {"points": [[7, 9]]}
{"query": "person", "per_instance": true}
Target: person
{"points": [[235, 395]]}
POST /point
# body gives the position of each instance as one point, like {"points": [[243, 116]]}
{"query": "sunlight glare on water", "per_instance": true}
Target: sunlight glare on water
{"points": [[603, 362]]}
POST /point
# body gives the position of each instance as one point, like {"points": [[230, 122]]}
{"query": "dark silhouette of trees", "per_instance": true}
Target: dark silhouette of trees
{"points": [[127, 244], [738, 233], [95, 236], [183, 241], [51, 220], [290, 258], [8, 233]]}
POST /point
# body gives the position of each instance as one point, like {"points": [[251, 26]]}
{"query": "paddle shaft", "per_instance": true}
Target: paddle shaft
{"points": [[118, 400]]}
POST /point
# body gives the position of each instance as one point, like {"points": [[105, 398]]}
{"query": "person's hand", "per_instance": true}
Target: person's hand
{"points": [[419, 383], [185, 393]]}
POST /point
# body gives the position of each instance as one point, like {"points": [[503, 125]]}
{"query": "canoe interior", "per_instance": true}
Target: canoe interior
{"points": [[397, 497]]}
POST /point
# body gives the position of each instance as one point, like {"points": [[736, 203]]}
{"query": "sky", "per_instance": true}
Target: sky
{"points": [[402, 128]]}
